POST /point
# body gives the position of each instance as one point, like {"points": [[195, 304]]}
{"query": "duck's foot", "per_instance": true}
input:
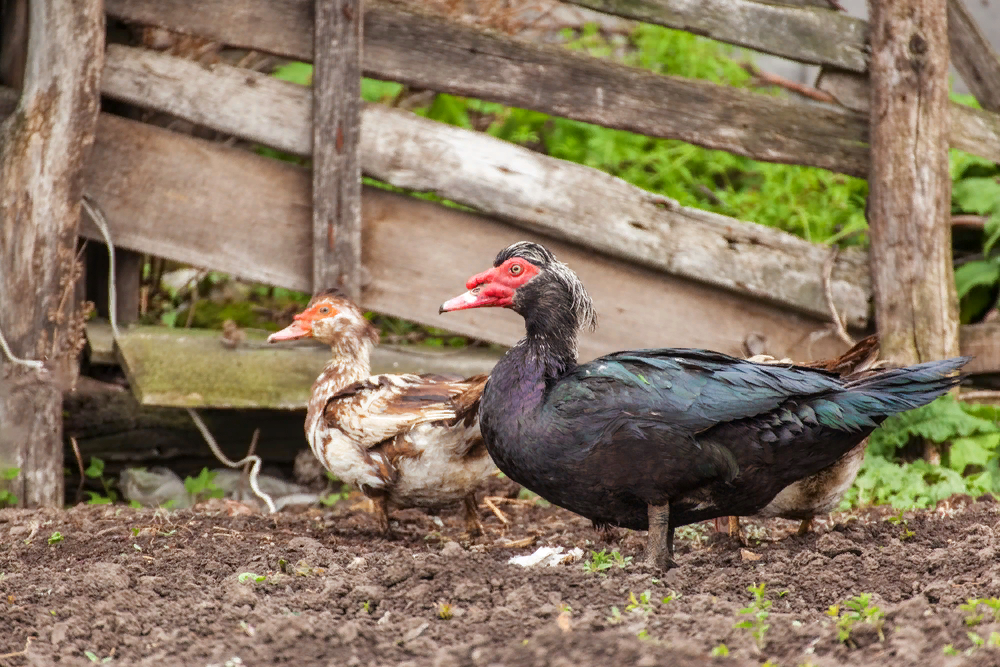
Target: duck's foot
{"points": [[381, 510], [660, 541], [804, 527], [473, 526], [736, 530]]}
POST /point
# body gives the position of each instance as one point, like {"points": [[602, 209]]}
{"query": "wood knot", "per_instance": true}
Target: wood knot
{"points": [[918, 45]]}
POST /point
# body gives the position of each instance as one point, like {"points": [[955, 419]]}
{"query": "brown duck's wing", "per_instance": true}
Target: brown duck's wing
{"points": [[383, 406], [857, 360]]}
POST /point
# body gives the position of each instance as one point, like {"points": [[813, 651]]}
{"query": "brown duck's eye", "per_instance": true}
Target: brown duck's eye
{"points": [[516, 269], [325, 310]]}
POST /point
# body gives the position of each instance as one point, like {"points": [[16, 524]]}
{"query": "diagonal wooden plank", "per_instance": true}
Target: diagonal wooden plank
{"points": [[567, 200], [813, 35]]}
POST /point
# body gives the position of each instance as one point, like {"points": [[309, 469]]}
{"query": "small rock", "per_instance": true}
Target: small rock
{"points": [[746, 554], [59, 631], [452, 549], [833, 544]]}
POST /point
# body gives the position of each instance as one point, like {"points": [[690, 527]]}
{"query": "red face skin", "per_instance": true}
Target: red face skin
{"points": [[494, 288], [302, 326]]}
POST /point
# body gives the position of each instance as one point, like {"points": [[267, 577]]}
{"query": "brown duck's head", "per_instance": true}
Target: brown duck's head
{"points": [[331, 318]]}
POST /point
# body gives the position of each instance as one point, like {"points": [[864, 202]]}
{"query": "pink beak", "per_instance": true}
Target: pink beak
{"points": [[293, 331]]}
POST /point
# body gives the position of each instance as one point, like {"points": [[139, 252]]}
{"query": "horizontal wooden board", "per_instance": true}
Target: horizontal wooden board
{"points": [[806, 34], [559, 198], [194, 201], [191, 367], [433, 53], [981, 341]]}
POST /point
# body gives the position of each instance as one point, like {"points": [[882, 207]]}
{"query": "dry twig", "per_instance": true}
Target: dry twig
{"points": [[838, 323], [764, 78], [488, 501], [24, 651], [79, 462]]}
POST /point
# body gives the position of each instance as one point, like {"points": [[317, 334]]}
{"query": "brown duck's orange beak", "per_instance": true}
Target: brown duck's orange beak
{"points": [[300, 328]]}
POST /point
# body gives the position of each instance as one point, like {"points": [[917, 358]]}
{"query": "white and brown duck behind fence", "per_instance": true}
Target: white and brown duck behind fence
{"points": [[404, 440]]}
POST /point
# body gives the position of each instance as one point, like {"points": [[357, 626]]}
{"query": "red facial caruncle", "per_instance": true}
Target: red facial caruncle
{"points": [[303, 322], [493, 288]]}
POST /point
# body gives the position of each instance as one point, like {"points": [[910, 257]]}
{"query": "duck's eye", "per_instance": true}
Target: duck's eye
{"points": [[516, 269], [477, 289], [325, 310]]}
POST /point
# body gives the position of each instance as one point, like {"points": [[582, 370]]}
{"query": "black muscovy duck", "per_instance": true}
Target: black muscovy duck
{"points": [[656, 439]]}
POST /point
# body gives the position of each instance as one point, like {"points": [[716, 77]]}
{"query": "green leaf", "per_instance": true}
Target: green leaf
{"points": [[977, 195], [11, 473], [992, 230], [984, 272], [300, 73], [96, 468], [975, 451]]}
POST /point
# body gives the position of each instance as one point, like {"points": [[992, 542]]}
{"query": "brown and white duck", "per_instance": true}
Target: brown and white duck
{"points": [[821, 492], [404, 440]]}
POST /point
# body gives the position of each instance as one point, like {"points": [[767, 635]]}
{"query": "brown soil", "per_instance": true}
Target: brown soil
{"points": [[163, 588]]}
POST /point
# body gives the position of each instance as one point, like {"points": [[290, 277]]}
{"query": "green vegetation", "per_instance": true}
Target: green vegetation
{"points": [[858, 609], [974, 617], [55, 538], [7, 498], [969, 437], [203, 486], [758, 612], [96, 471], [600, 561]]}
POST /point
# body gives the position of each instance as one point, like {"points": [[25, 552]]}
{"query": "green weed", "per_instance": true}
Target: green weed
{"points": [[972, 608], [758, 611], [203, 486], [858, 609], [720, 651], [96, 471], [600, 561], [7, 498], [55, 538]]}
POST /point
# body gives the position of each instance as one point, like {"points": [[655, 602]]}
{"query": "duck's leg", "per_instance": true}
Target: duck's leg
{"points": [[660, 541], [736, 530], [805, 527], [473, 526], [380, 503]]}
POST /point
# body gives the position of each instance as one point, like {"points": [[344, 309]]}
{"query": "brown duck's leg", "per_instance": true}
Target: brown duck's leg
{"points": [[660, 541], [805, 526], [381, 505], [736, 530], [473, 526]]}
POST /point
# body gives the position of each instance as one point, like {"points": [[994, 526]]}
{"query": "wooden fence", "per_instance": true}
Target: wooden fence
{"points": [[698, 278]]}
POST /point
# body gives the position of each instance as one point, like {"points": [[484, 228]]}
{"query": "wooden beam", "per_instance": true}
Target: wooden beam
{"points": [[556, 197], [191, 367], [191, 200], [336, 130], [974, 56], [433, 53], [814, 35], [43, 147], [909, 202], [981, 341]]}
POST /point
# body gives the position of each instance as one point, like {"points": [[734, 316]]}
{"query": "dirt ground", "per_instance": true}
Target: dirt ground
{"points": [[215, 586]]}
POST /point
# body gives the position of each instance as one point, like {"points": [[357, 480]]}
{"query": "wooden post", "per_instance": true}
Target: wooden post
{"points": [[909, 199], [336, 134], [43, 147], [974, 57]]}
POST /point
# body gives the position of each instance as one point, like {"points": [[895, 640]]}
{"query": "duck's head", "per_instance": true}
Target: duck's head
{"points": [[330, 318], [527, 278]]}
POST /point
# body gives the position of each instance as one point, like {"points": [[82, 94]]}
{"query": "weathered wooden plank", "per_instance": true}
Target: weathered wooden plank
{"points": [[432, 53], [982, 341], [336, 130], [191, 367], [807, 34], [43, 147], [971, 130], [566, 200], [909, 200], [109, 423], [193, 201], [973, 56]]}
